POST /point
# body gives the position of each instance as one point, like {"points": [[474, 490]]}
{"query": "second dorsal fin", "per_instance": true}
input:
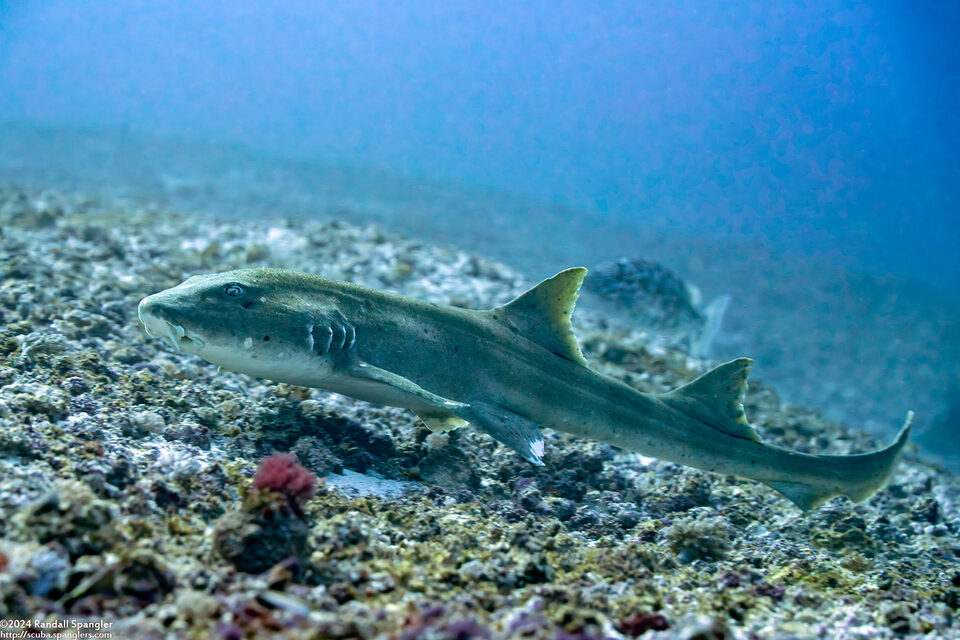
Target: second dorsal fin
{"points": [[543, 313], [716, 399]]}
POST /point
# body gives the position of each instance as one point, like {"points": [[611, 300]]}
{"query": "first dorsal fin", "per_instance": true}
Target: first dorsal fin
{"points": [[716, 399], [543, 314]]}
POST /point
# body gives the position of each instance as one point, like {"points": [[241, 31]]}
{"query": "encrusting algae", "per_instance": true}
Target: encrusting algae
{"points": [[124, 468]]}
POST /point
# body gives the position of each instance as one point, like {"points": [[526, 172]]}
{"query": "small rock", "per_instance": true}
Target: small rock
{"points": [[196, 605], [472, 571], [437, 441], [40, 342], [128, 354], [254, 543], [144, 423], [49, 566], [71, 515], [38, 399], [189, 433], [75, 385], [926, 510], [693, 538]]}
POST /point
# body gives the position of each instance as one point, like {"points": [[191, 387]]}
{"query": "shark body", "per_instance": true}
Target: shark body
{"points": [[508, 371]]}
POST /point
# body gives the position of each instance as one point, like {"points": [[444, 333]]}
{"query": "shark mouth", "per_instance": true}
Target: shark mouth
{"points": [[170, 332]]}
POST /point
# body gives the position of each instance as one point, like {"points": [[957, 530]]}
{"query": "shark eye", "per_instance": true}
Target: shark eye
{"points": [[233, 290]]}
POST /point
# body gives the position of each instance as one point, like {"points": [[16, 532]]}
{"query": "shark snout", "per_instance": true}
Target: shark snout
{"points": [[158, 319]]}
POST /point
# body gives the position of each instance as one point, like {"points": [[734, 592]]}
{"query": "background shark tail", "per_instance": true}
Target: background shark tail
{"points": [[855, 476], [700, 347]]}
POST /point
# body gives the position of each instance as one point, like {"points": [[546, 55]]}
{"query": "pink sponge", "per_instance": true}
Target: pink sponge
{"points": [[283, 474]]}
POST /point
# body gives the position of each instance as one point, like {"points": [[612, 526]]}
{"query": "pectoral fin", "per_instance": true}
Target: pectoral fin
{"points": [[519, 433], [439, 422], [379, 385]]}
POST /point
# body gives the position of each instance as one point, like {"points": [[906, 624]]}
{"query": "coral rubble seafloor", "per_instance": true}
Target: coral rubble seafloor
{"points": [[128, 491]]}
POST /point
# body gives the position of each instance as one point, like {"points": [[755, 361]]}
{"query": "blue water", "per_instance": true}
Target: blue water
{"points": [[825, 127]]}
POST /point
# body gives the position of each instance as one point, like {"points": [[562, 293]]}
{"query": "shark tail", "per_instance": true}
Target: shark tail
{"points": [[857, 476], [700, 347], [716, 400]]}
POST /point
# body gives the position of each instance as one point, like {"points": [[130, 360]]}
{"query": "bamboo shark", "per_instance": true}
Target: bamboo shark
{"points": [[508, 371]]}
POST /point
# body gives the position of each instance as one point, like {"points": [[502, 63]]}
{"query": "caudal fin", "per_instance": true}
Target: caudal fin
{"points": [[716, 399], [700, 346], [857, 477]]}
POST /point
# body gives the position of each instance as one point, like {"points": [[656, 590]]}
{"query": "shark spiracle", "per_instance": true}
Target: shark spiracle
{"points": [[331, 334]]}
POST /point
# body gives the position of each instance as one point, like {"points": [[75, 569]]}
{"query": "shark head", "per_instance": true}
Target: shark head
{"points": [[250, 321]]}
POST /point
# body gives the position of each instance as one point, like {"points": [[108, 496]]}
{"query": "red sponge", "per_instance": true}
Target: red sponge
{"points": [[282, 473]]}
